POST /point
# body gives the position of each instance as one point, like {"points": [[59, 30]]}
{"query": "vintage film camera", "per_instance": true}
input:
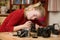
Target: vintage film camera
{"points": [[44, 32], [25, 32], [33, 31], [22, 33], [55, 29]]}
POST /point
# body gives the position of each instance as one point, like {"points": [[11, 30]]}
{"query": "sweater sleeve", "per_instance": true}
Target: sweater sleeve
{"points": [[42, 21], [11, 20]]}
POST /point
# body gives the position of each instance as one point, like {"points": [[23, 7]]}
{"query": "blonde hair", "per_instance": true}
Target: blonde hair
{"points": [[36, 6]]}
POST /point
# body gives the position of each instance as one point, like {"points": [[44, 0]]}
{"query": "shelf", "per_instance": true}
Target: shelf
{"points": [[4, 15], [21, 4]]}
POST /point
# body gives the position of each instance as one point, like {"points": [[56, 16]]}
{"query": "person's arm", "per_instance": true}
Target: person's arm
{"points": [[16, 28], [10, 21], [25, 25]]}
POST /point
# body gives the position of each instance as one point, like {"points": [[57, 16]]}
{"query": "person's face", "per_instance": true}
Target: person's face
{"points": [[33, 14]]}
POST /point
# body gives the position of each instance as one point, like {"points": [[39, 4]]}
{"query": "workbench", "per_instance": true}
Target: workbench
{"points": [[9, 36]]}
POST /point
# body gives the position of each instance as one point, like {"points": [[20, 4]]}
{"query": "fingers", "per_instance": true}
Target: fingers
{"points": [[37, 26], [28, 22]]}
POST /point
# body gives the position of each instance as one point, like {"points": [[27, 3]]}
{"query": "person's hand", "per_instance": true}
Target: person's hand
{"points": [[27, 24], [37, 26]]}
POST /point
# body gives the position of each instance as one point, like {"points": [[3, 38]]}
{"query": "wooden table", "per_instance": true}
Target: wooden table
{"points": [[8, 36]]}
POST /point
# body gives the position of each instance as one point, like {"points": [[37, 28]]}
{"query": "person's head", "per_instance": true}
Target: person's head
{"points": [[34, 11]]}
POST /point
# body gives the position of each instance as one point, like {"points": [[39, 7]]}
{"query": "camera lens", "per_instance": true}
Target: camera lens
{"points": [[39, 31]]}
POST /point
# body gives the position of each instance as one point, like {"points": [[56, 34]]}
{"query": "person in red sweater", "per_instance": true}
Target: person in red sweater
{"points": [[23, 18]]}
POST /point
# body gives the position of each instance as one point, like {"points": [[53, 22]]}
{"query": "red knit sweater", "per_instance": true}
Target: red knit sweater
{"points": [[15, 18]]}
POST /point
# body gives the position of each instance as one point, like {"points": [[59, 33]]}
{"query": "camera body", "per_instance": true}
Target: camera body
{"points": [[44, 32], [33, 29], [23, 33], [55, 29]]}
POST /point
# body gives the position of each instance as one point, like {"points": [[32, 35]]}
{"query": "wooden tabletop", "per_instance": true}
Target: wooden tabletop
{"points": [[8, 36]]}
